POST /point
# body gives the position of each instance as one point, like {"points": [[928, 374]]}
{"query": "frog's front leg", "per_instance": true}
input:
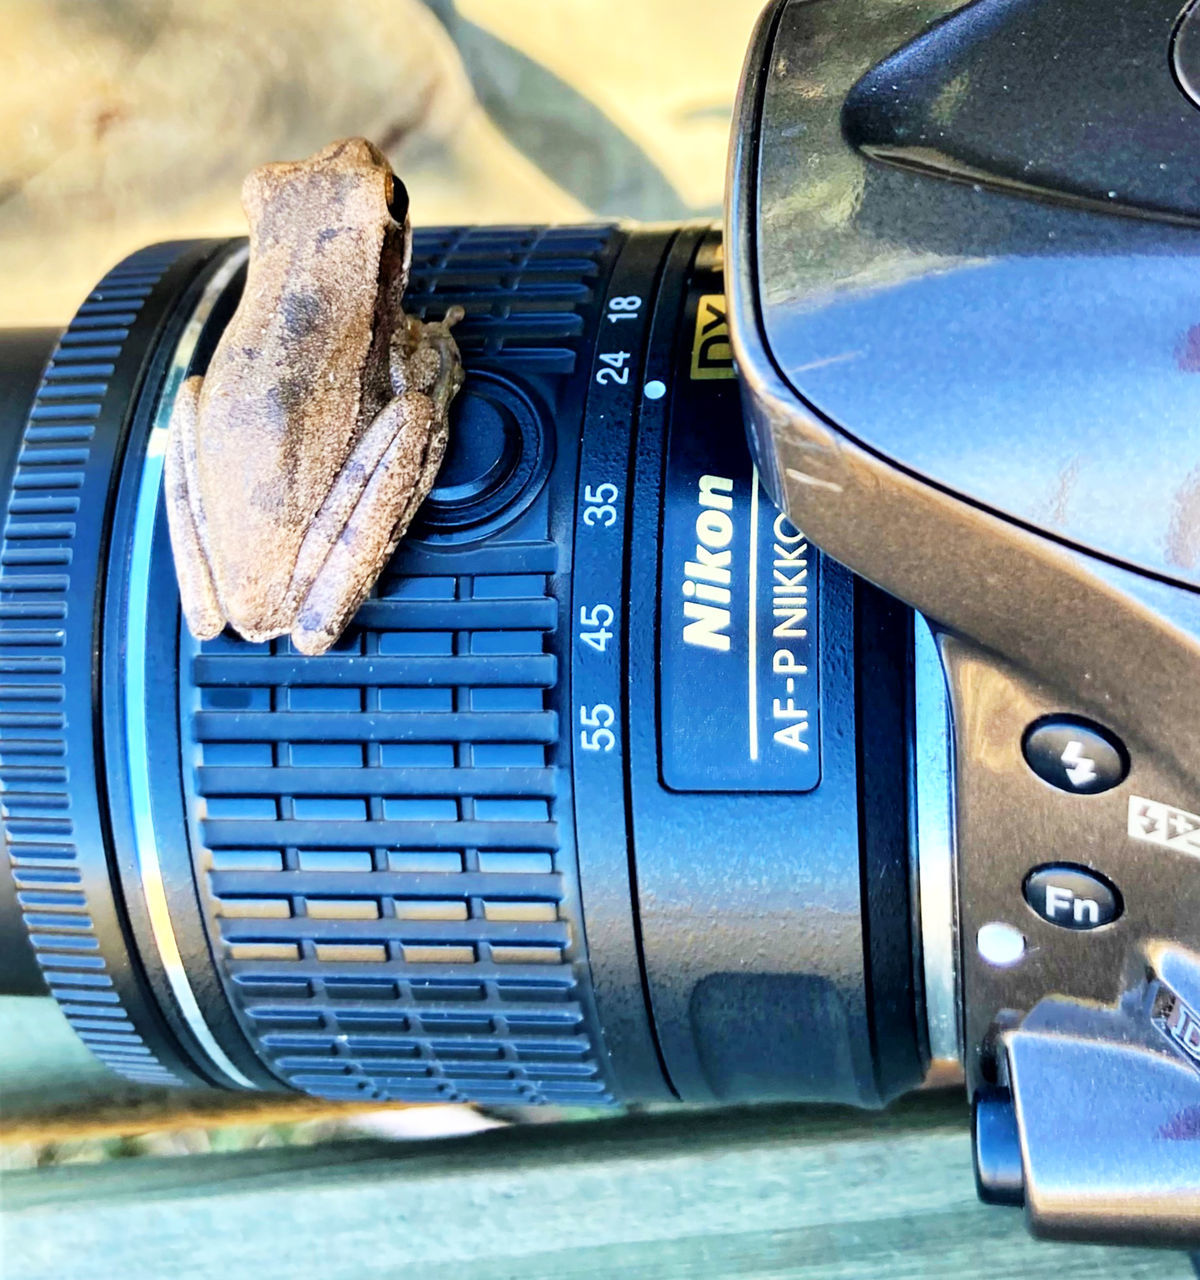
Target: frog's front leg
{"points": [[197, 592], [384, 481]]}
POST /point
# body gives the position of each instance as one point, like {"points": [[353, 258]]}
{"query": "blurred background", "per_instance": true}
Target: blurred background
{"points": [[130, 121]]}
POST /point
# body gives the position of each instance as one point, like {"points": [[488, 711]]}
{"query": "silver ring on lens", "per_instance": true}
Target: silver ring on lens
{"points": [[136, 730], [934, 848]]}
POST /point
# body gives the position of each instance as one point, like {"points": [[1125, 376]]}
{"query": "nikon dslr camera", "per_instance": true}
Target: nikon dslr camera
{"points": [[790, 689]]}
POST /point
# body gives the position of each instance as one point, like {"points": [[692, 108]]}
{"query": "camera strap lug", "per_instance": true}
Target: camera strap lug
{"points": [[1106, 1107]]}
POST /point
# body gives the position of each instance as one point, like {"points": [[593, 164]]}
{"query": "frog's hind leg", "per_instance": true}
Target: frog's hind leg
{"points": [[197, 592], [385, 480]]}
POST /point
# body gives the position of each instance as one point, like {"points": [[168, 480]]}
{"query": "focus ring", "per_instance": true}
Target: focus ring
{"points": [[383, 835], [51, 553]]}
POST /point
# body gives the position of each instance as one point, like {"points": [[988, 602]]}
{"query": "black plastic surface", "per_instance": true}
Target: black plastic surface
{"points": [[1070, 101], [502, 453], [600, 676], [999, 1176], [994, 286], [775, 926], [1185, 53], [884, 731], [739, 612]]}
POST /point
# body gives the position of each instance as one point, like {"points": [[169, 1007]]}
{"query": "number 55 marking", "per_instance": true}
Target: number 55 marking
{"points": [[596, 735]]}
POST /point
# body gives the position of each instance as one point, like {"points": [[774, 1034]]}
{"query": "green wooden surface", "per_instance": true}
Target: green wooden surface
{"points": [[51, 1088], [778, 1192], [766, 1193], [43, 1063]]}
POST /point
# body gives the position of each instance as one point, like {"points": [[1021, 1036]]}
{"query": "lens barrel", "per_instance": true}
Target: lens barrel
{"points": [[605, 794]]}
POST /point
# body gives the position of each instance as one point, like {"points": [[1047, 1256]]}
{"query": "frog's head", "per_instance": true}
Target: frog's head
{"points": [[347, 186]]}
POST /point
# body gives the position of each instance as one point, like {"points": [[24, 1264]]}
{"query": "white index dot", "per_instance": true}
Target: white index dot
{"points": [[1000, 944], [655, 390]]}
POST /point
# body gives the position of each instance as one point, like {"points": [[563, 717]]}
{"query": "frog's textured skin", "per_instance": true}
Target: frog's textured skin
{"points": [[295, 464]]}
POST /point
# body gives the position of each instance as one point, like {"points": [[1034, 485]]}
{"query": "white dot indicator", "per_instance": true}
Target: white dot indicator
{"points": [[1000, 944], [655, 390]]}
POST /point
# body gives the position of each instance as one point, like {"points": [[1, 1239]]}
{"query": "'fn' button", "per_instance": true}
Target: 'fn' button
{"points": [[1071, 897]]}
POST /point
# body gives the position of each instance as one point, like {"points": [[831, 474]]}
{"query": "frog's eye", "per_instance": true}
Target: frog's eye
{"points": [[398, 200]]}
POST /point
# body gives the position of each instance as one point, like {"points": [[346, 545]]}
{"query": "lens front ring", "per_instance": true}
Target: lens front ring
{"points": [[56, 530]]}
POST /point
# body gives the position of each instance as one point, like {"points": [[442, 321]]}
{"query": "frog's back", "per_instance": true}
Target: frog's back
{"points": [[299, 371]]}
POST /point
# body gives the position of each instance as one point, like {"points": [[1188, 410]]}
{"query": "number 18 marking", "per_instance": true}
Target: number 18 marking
{"points": [[624, 308]]}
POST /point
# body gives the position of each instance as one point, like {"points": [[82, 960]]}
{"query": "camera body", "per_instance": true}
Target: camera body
{"points": [[658, 766], [961, 297]]}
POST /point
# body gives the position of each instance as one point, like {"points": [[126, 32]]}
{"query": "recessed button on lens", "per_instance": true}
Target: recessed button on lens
{"points": [[1075, 755], [1072, 897]]}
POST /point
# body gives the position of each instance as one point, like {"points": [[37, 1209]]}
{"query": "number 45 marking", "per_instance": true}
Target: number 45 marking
{"points": [[599, 618]]}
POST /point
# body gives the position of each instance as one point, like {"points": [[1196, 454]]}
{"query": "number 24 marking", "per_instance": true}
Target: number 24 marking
{"points": [[615, 368]]}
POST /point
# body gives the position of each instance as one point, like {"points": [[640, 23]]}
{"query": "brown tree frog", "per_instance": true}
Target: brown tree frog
{"points": [[297, 461]]}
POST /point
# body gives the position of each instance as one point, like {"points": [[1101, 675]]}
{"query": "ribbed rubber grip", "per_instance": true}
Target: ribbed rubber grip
{"points": [[383, 835], [53, 531]]}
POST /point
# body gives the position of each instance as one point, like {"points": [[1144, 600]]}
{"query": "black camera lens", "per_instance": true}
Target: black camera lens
{"points": [[606, 794]]}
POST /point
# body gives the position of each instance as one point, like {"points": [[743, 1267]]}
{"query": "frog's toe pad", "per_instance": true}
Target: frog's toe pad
{"points": [[311, 638], [205, 624]]}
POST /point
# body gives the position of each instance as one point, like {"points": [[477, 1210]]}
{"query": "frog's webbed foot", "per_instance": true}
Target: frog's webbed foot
{"points": [[197, 591], [424, 356], [385, 480]]}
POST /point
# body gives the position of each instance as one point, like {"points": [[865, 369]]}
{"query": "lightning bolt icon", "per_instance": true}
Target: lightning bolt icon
{"points": [[1081, 769]]}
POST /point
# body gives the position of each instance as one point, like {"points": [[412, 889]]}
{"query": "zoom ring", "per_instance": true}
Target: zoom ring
{"points": [[383, 835]]}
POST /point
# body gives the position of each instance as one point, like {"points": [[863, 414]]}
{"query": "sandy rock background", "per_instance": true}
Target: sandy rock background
{"points": [[128, 121]]}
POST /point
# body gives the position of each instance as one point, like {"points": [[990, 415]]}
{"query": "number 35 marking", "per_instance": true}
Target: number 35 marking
{"points": [[600, 509]]}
